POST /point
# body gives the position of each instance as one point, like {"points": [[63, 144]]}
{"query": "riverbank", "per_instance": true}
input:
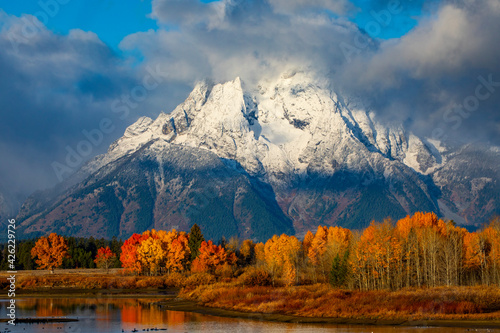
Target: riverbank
{"points": [[458, 307], [469, 307], [179, 304]]}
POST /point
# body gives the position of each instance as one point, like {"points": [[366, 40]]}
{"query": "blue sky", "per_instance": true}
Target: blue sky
{"points": [[399, 24], [113, 20]]}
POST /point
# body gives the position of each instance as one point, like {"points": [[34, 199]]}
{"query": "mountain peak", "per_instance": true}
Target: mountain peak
{"points": [[287, 150], [283, 125]]}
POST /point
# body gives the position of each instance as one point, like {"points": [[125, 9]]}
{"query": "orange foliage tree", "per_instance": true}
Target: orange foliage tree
{"points": [[128, 256], [179, 253], [306, 243], [247, 252], [482, 253], [260, 256], [377, 254], [156, 250], [212, 257], [423, 236], [104, 258], [150, 253], [50, 252]]}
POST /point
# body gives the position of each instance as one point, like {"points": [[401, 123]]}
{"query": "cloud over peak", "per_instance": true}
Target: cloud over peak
{"points": [[53, 86]]}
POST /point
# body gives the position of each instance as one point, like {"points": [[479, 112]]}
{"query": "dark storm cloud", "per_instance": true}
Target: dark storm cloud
{"points": [[52, 88]]}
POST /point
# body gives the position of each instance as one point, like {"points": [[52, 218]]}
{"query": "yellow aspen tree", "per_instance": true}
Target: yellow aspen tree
{"points": [[151, 254], [260, 254], [317, 250]]}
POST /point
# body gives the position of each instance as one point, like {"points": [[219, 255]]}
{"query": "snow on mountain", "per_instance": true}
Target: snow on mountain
{"points": [[290, 125], [290, 147]]}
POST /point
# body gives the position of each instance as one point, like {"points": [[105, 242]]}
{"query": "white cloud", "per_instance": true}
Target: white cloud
{"points": [[456, 40], [435, 66], [249, 39], [295, 6]]}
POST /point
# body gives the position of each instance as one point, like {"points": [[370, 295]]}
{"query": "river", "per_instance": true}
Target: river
{"points": [[115, 315]]}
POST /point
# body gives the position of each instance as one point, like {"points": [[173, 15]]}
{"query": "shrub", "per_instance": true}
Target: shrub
{"points": [[174, 280], [150, 282], [255, 277], [23, 283], [224, 271], [111, 284], [198, 279], [127, 282], [210, 294], [239, 271], [306, 278]]}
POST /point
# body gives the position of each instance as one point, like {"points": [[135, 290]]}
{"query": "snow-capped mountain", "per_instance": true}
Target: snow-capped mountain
{"points": [[284, 156]]}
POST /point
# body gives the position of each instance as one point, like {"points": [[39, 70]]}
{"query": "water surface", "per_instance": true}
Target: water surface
{"points": [[115, 315]]}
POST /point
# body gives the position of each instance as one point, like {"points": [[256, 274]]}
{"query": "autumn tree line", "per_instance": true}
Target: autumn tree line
{"points": [[81, 253], [416, 251]]}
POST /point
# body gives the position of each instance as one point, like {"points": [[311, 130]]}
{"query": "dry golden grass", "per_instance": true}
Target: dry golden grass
{"points": [[73, 271], [89, 279], [321, 300], [318, 300]]}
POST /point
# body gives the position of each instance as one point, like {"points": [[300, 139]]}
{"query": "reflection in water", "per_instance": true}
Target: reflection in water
{"points": [[110, 315]]}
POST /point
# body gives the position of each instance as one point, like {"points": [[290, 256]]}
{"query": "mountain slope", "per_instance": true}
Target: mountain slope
{"points": [[470, 184], [163, 186], [284, 156]]}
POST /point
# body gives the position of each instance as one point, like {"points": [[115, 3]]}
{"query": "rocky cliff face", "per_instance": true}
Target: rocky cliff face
{"points": [[282, 157]]}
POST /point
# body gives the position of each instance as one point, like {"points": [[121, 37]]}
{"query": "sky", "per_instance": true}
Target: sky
{"points": [[74, 72]]}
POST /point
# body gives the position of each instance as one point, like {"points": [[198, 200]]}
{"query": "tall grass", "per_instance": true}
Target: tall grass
{"points": [[322, 300]]}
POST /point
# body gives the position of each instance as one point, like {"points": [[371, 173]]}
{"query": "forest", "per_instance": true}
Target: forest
{"points": [[416, 251]]}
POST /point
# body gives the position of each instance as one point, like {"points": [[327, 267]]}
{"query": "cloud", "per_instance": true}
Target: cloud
{"points": [[296, 6], [212, 14], [415, 79], [453, 42], [182, 12], [52, 88], [434, 68], [250, 39], [55, 86]]}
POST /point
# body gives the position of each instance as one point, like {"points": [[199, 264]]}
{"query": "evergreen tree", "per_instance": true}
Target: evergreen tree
{"points": [[339, 271], [116, 247], [24, 259], [195, 240], [4, 265]]}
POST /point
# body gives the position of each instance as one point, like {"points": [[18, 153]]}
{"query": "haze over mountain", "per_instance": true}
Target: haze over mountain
{"points": [[283, 155]]}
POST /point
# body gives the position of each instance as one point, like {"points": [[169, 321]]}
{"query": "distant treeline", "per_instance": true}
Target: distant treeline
{"points": [[81, 253], [416, 251]]}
